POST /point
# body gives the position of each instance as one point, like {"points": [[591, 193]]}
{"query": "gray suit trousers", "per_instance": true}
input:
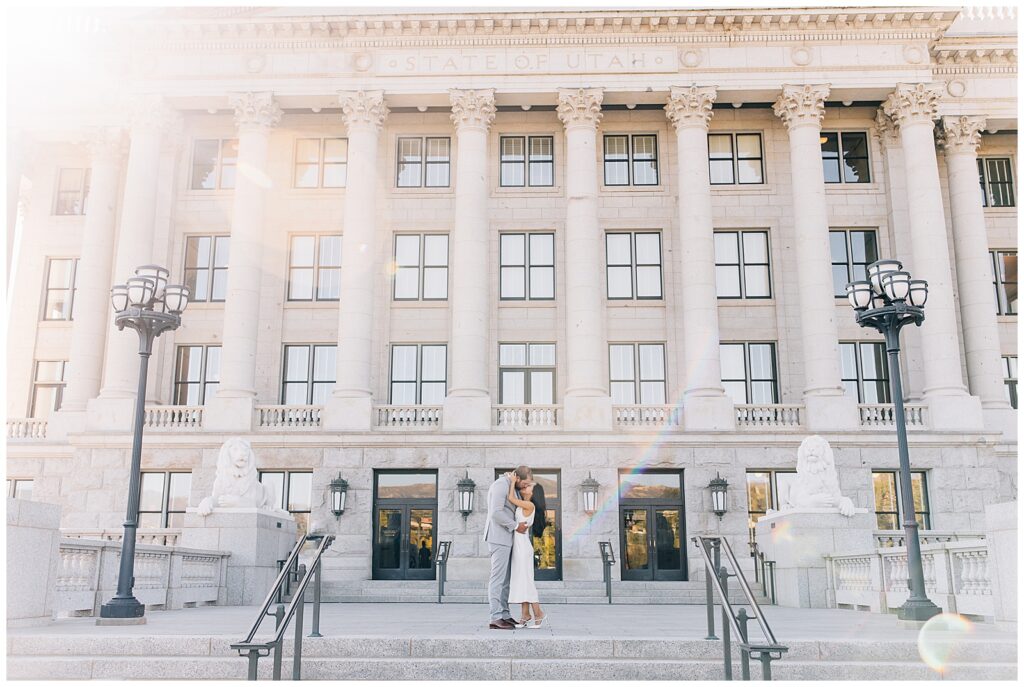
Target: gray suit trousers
{"points": [[497, 586]]}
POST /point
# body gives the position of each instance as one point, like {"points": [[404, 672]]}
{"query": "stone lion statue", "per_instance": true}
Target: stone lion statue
{"points": [[816, 484], [237, 484]]}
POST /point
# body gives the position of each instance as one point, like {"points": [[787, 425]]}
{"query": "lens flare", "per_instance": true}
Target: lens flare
{"points": [[940, 638], [782, 532]]}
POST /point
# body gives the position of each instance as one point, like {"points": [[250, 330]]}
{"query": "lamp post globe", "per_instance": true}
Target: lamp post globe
{"points": [[141, 303]]}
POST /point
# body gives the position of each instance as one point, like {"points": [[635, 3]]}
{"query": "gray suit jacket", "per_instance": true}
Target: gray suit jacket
{"points": [[501, 514]]}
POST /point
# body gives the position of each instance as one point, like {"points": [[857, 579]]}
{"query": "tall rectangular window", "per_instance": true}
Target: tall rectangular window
{"points": [[633, 265], [1004, 278], [852, 251], [47, 387], [889, 503], [213, 163], [419, 374], [293, 492], [844, 157], [314, 267], [196, 374], [1010, 378], [421, 267], [631, 160], [321, 163], [309, 374], [72, 196], [20, 489], [424, 162], [865, 371], [996, 177], [766, 490], [163, 499], [636, 373], [527, 160], [735, 159], [749, 372], [742, 265], [206, 267], [526, 373], [527, 266], [59, 299]]}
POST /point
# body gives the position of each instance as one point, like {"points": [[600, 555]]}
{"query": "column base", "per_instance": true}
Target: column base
{"points": [[996, 420], [590, 413], [229, 414], [954, 412], [466, 414], [110, 414], [919, 611], [348, 414], [708, 413], [831, 413]]}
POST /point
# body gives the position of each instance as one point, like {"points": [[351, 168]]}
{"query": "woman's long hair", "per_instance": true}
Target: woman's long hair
{"points": [[541, 506]]}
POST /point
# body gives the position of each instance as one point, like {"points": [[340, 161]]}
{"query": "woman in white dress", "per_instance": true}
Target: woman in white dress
{"points": [[521, 587]]}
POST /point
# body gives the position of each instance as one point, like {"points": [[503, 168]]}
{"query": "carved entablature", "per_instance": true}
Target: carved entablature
{"points": [[580, 106], [255, 111], [690, 106], [913, 103], [961, 134], [802, 105], [472, 108], [363, 109], [106, 144]]}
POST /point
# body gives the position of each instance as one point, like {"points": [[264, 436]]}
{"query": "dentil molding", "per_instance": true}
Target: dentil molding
{"points": [[580, 106], [472, 108], [690, 106], [802, 105]]}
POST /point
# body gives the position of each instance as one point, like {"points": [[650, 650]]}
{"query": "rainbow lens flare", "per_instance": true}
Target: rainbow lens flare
{"points": [[940, 638]]}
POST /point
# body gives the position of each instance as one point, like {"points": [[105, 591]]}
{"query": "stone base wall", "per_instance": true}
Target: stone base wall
{"points": [[33, 543]]}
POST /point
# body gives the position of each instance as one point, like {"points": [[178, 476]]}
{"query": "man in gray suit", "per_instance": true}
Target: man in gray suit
{"points": [[501, 523]]}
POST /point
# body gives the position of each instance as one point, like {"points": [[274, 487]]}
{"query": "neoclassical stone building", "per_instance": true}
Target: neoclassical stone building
{"points": [[606, 244]]}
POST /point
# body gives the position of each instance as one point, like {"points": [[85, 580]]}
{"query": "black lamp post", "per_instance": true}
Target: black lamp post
{"points": [[719, 487], [466, 491], [888, 301], [339, 494], [147, 304]]}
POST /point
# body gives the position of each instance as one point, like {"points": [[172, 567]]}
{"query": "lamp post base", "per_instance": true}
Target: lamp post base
{"points": [[917, 611], [122, 608]]}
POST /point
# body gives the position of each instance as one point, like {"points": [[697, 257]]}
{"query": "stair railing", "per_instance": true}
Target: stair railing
{"points": [[764, 572], [711, 548], [254, 650], [608, 559], [441, 563]]}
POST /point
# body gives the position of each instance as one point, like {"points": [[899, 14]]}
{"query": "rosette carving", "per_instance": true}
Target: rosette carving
{"points": [[472, 108], [961, 134], [256, 111], [580, 106], [913, 103], [802, 105], [363, 108], [690, 106]]}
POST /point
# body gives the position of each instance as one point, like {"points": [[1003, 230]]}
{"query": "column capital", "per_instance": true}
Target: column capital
{"points": [[106, 144], [885, 129], [255, 111], [962, 134], [580, 106], [690, 106], [802, 105], [472, 108], [913, 103], [363, 108], [149, 112]]}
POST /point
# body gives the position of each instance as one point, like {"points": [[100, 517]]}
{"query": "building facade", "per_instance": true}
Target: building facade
{"points": [[605, 244]]}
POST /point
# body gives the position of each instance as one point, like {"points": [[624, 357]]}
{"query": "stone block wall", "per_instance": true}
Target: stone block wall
{"points": [[33, 559]]}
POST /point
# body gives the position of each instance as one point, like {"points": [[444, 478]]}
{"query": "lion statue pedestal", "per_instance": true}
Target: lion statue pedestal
{"points": [[816, 520], [242, 518]]}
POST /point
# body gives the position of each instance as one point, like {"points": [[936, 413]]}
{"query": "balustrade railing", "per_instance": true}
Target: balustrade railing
{"points": [[173, 417], [647, 416], [154, 536], [288, 417], [887, 538], [26, 428], [773, 415], [884, 415], [409, 417], [532, 416]]}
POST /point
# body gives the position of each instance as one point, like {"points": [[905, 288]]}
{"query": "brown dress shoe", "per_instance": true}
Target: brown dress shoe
{"points": [[501, 624]]}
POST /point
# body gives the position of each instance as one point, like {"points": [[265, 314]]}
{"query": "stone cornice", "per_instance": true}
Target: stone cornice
{"points": [[690, 106], [472, 108], [913, 103], [363, 109], [580, 106], [961, 134], [255, 111], [801, 105]]}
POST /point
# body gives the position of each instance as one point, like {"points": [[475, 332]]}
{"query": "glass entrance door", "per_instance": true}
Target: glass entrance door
{"points": [[652, 526], [404, 519]]}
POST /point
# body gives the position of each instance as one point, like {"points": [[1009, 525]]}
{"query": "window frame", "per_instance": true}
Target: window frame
{"points": [[418, 381], [12, 487], [634, 265], [637, 379], [924, 517], [734, 158], [421, 268], [526, 369], [984, 174], [851, 264], [316, 268], [1010, 379], [81, 194], [527, 162], [742, 265], [310, 381], [60, 386], [211, 269], [773, 493], [527, 266], [423, 162], [861, 380], [631, 159], [218, 166], [286, 492], [748, 380], [1003, 306], [841, 155], [71, 290], [165, 511], [321, 163], [203, 383]]}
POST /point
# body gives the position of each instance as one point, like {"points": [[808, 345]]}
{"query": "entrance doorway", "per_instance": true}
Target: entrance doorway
{"points": [[404, 520], [547, 548], [652, 526]]}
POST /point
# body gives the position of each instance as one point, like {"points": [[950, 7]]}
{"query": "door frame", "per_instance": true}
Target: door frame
{"points": [[405, 505], [652, 505]]}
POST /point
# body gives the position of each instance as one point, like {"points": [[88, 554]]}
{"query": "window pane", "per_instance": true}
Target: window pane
{"points": [[213, 364], [204, 164], [616, 147], [403, 393], [721, 172], [336, 150], [197, 251], [513, 387], [435, 283], [434, 366], [733, 366], [189, 367], [646, 485], [409, 161], [620, 358], [435, 250], [620, 282], [755, 247], [513, 249], [737, 391], [750, 171], [762, 392], [848, 360], [178, 490], [407, 250], [542, 282], [513, 148], [513, 282], [403, 363], [296, 366], [49, 371], [324, 363], [727, 281], [330, 251], [512, 174], [542, 387], [616, 173], [762, 361], [652, 393], [720, 146], [300, 491], [409, 485], [623, 393], [648, 249], [727, 247], [275, 480], [748, 145], [855, 158], [619, 249], [512, 354], [151, 498], [541, 174], [300, 284], [542, 249], [756, 278], [884, 486], [864, 245], [542, 354], [652, 362], [648, 282], [407, 283], [759, 493], [837, 245], [873, 361], [302, 251]]}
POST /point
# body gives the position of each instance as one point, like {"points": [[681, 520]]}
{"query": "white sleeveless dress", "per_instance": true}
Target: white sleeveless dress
{"points": [[521, 587]]}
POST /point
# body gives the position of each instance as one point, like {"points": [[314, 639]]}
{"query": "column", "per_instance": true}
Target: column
{"points": [[587, 405], [93, 277], [256, 114], [468, 404], [960, 139], [351, 403], [150, 121], [801, 109], [913, 108], [705, 405]]}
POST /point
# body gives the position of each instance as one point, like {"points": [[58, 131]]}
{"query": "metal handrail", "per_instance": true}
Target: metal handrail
{"points": [[766, 651], [441, 564], [608, 559], [255, 650], [764, 572]]}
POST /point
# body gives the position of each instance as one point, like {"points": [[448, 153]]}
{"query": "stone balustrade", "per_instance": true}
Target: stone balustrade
{"points": [[772, 415], [156, 536], [409, 417], [526, 416], [647, 417], [166, 577], [956, 574], [887, 538], [26, 428], [884, 415], [288, 417], [173, 418]]}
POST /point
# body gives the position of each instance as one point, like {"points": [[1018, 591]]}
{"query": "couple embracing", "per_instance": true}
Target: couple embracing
{"points": [[515, 509]]}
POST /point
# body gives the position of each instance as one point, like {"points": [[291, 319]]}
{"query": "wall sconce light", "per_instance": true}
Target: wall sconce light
{"points": [[589, 488], [719, 495], [339, 493], [467, 492]]}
